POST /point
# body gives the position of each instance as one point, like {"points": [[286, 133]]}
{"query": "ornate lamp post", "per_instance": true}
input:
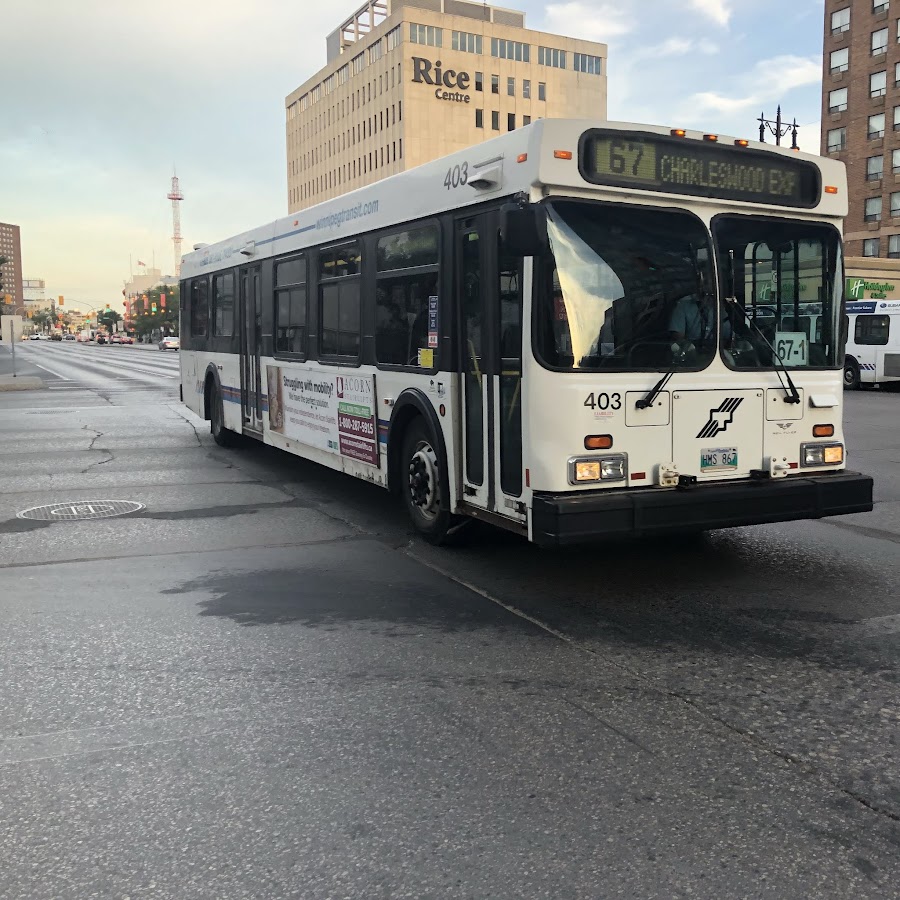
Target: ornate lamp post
{"points": [[778, 128]]}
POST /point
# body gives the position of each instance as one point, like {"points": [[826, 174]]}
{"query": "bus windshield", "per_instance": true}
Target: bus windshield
{"points": [[787, 279], [624, 289]]}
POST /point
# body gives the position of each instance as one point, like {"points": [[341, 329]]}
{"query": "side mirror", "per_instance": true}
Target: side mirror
{"points": [[523, 229]]}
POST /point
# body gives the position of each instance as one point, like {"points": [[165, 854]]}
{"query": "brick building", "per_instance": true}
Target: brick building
{"points": [[861, 119]]}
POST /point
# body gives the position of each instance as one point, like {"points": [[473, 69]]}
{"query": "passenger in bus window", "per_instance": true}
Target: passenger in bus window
{"points": [[694, 319]]}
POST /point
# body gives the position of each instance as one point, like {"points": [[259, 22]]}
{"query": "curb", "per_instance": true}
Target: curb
{"points": [[21, 383]]}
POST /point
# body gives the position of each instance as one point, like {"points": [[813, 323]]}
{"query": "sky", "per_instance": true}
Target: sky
{"points": [[103, 99]]}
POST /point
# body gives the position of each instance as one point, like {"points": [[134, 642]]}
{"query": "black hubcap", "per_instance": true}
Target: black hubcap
{"points": [[419, 482]]}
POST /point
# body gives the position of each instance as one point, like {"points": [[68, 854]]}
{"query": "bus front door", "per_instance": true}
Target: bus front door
{"points": [[489, 300], [251, 324]]}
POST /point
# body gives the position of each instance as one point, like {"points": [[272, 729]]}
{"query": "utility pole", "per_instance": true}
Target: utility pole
{"points": [[779, 128]]}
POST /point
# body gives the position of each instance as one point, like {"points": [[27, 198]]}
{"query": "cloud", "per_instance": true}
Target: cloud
{"points": [[590, 21], [767, 82], [680, 46], [717, 10]]}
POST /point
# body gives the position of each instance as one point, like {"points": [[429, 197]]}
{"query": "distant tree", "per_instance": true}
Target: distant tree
{"points": [[40, 319], [165, 319], [109, 318]]}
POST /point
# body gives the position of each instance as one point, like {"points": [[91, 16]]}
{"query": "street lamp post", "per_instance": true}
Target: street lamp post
{"points": [[778, 128]]}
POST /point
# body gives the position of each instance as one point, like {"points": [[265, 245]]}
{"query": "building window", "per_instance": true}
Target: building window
{"points": [[503, 49], [872, 211], [510, 121], [290, 306], [897, 75], [526, 88], [426, 34], [878, 84], [468, 43], [407, 276], [879, 41], [840, 21], [880, 6], [870, 247], [394, 37], [837, 100], [894, 246], [376, 51], [876, 126], [874, 168], [223, 305], [590, 65], [837, 140], [495, 120], [479, 118], [495, 84], [895, 204], [339, 269], [550, 56], [526, 120], [840, 60], [895, 162], [511, 87], [542, 91]]}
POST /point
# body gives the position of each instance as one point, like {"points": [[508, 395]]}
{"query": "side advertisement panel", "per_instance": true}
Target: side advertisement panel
{"points": [[335, 413]]}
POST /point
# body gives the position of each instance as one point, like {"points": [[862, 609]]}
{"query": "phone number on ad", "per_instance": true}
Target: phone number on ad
{"points": [[355, 426]]}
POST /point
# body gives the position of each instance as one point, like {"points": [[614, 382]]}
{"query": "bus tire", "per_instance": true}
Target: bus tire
{"points": [[851, 374], [223, 436], [421, 477]]}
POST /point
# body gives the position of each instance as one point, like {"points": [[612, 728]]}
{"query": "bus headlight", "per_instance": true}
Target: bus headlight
{"points": [[584, 470], [821, 454]]}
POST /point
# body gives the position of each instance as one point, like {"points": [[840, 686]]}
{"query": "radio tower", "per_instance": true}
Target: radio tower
{"points": [[176, 197]]}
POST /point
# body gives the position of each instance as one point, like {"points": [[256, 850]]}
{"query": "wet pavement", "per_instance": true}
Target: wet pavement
{"points": [[262, 685]]}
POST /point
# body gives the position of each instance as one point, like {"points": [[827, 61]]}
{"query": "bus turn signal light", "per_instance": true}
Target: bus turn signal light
{"points": [[830, 189], [740, 142], [710, 137], [598, 442], [522, 157], [678, 132], [562, 154], [823, 430]]}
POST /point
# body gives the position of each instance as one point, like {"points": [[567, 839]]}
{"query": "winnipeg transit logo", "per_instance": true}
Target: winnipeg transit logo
{"points": [[426, 72], [720, 418]]}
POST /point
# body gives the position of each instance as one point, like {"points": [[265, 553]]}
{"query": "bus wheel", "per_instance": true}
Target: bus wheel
{"points": [[420, 474], [851, 375], [221, 435]]}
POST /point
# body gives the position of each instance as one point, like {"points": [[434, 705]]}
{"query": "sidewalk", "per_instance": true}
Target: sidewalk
{"points": [[28, 377]]}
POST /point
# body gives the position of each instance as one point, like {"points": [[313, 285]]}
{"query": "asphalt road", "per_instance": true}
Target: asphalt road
{"points": [[262, 685]]}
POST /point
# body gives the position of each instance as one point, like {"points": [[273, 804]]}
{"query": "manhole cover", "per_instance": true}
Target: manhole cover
{"points": [[81, 509]]}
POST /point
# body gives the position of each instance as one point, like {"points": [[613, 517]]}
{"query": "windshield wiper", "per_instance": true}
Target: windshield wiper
{"points": [[655, 391], [790, 389]]}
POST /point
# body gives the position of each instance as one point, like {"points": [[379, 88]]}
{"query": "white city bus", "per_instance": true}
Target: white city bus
{"points": [[873, 344], [574, 330]]}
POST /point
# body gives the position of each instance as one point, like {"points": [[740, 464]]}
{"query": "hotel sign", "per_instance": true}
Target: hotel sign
{"points": [[448, 84], [860, 289]]}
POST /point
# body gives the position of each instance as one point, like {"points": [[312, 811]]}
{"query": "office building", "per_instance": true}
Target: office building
{"points": [[408, 81], [11, 270]]}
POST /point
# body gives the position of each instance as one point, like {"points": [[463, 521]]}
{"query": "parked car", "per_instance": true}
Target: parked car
{"points": [[127, 339], [101, 339], [56, 336], [36, 337], [69, 337], [170, 342], [116, 339]]}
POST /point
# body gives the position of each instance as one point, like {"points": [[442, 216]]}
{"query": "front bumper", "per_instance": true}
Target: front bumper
{"points": [[583, 516]]}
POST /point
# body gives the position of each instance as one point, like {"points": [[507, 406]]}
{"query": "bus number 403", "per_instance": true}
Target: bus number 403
{"points": [[456, 176], [604, 401]]}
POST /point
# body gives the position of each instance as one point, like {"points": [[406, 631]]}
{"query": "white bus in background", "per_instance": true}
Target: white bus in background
{"points": [[559, 331], [873, 344]]}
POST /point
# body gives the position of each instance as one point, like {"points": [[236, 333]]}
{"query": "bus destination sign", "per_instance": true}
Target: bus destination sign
{"points": [[652, 162]]}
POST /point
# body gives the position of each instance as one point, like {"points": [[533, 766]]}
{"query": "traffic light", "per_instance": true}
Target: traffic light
{"points": [[153, 308], [61, 301]]}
